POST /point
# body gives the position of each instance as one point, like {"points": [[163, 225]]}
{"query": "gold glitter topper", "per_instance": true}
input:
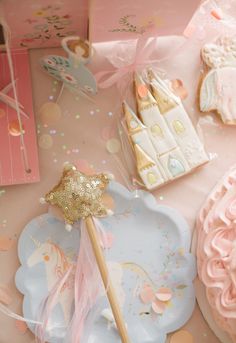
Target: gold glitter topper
{"points": [[79, 195]]}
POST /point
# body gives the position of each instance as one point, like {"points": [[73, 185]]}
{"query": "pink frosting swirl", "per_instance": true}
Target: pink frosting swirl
{"points": [[216, 252]]}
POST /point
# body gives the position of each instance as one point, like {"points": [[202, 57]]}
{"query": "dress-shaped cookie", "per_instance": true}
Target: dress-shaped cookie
{"points": [[218, 88]]}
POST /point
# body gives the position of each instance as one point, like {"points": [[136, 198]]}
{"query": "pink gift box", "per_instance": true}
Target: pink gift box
{"points": [[127, 19], [43, 23]]}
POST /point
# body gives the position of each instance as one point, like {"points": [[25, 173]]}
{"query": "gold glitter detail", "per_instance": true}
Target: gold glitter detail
{"points": [[143, 160], [145, 102], [164, 101], [151, 75], [133, 123], [79, 195]]}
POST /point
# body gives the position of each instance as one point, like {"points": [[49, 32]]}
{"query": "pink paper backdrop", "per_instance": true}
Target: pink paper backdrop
{"points": [[126, 19], [42, 23]]}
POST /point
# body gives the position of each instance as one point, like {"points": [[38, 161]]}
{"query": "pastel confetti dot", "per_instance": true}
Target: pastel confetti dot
{"points": [[97, 110], [51, 97], [2, 192], [21, 326], [113, 146], [216, 13], [50, 113], [147, 294], [2, 113], [6, 243], [142, 91], [158, 307], [110, 114], [77, 116], [92, 112], [164, 294], [179, 89], [14, 128], [161, 197], [182, 336], [64, 147], [45, 141]]}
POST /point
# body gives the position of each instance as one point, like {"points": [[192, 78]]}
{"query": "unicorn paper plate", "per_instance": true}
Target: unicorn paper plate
{"points": [[148, 259]]}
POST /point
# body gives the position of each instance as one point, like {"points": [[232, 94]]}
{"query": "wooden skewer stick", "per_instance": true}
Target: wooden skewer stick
{"points": [[111, 294]]}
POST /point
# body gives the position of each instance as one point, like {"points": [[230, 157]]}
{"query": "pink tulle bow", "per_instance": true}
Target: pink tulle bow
{"points": [[145, 46]]}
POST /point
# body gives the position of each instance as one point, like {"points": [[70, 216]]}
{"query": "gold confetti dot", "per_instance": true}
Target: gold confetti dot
{"points": [[113, 146], [50, 113], [182, 336], [45, 141]]}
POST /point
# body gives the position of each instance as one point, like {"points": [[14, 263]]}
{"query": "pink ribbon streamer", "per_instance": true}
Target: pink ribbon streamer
{"points": [[47, 307], [87, 287], [143, 50], [88, 282]]}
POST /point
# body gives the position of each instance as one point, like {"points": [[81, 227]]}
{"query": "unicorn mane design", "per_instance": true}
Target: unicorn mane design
{"points": [[56, 264]]}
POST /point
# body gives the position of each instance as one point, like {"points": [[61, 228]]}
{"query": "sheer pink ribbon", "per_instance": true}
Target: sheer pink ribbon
{"points": [[88, 282], [87, 288], [143, 50]]}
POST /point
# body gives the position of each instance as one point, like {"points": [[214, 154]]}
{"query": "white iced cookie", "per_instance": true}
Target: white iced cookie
{"points": [[165, 143], [218, 89]]}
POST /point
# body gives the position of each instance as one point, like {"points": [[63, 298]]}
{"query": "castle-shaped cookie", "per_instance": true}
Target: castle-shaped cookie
{"points": [[165, 143]]}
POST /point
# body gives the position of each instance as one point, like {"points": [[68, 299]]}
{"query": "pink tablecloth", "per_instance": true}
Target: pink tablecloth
{"points": [[80, 134]]}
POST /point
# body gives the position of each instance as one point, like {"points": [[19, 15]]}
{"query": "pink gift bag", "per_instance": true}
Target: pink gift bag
{"points": [[18, 153]]}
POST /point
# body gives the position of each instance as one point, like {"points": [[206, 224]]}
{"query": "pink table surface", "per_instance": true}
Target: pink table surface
{"points": [[78, 135]]}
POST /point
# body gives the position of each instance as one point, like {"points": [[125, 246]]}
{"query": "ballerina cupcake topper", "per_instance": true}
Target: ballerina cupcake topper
{"points": [[71, 70]]}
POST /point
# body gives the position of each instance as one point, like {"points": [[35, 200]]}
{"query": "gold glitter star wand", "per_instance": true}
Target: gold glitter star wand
{"points": [[79, 196]]}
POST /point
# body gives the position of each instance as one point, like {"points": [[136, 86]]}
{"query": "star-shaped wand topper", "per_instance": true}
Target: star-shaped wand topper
{"points": [[78, 195]]}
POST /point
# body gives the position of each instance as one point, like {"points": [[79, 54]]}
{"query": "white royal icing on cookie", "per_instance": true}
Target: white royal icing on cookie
{"points": [[220, 54], [167, 146], [218, 92]]}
